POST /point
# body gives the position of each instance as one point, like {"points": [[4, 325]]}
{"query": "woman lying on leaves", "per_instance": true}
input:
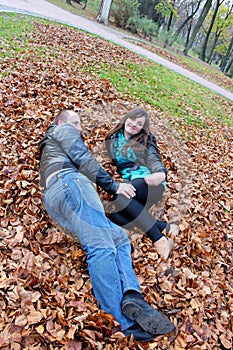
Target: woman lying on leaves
{"points": [[134, 151]]}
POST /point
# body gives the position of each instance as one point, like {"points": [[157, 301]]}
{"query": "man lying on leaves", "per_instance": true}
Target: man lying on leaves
{"points": [[67, 172]]}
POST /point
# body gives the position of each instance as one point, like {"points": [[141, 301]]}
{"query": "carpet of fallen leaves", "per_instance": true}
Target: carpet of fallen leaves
{"points": [[46, 299]]}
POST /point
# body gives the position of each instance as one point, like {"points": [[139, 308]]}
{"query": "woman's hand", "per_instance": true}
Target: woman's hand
{"points": [[126, 190], [155, 179]]}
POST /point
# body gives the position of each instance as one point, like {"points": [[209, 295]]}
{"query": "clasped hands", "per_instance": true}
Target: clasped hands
{"points": [[129, 190], [126, 190]]}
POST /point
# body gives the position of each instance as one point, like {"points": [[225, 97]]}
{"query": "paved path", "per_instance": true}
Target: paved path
{"points": [[44, 9]]}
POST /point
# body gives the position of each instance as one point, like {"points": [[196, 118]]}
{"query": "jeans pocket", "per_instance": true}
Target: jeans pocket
{"points": [[73, 196], [61, 201]]}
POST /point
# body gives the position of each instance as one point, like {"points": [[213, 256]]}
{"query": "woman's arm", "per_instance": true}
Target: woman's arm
{"points": [[155, 179], [153, 160]]}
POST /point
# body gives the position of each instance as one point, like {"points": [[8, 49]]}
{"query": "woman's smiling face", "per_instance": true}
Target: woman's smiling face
{"points": [[133, 126]]}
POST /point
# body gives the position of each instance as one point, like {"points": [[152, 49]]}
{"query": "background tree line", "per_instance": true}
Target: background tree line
{"points": [[203, 26]]}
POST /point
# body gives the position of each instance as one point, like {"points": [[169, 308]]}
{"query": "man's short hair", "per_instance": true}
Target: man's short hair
{"points": [[64, 115]]}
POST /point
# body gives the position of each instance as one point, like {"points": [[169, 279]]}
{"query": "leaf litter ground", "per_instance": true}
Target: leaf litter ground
{"points": [[46, 296]]}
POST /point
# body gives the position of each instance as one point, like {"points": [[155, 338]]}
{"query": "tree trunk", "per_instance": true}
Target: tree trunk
{"points": [[169, 21], [229, 68], [197, 27], [188, 34], [212, 49], [104, 11], [204, 46], [168, 28], [227, 57], [85, 4]]}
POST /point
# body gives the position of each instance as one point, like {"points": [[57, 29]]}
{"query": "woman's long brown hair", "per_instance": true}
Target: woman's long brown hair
{"points": [[141, 138]]}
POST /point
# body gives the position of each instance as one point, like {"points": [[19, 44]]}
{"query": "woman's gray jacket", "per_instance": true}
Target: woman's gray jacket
{"points": [[146, 156]]}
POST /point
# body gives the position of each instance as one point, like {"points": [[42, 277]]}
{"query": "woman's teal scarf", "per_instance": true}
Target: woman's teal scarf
{"points": [[126, 155]]}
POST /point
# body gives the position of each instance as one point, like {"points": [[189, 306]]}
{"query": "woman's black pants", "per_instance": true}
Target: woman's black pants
{"points": [[134, 211]]}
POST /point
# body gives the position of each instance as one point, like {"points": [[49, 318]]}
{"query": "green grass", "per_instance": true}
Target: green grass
{"points": [[15, 26], [16, 36], [152, 84], [191, 62], [16, 30], [77, 9], [211, 72], [167, 91]]}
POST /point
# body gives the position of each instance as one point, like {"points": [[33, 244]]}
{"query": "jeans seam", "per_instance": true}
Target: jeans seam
{"points": [[123, 272]]}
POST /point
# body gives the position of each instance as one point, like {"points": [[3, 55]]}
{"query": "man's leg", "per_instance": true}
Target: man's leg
{"points": [[74, 204], [133, 304], [151, 320]]}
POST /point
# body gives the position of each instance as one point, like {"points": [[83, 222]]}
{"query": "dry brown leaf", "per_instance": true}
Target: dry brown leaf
{"points": [[43, 272], [34, 317]]}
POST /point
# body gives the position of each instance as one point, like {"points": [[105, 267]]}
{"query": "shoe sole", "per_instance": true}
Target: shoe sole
{"points": [[152, 324], [146, 337], [144, 340]]}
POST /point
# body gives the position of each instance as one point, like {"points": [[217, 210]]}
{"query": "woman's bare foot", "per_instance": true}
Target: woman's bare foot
{"points": [[164, 246]]}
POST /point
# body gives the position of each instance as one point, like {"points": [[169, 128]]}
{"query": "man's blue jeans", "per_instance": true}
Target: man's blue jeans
{"points": [[74, 204]]}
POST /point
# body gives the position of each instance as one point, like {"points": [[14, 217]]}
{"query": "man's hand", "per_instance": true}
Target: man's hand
{"points": [[126, 190], [155, 179]]}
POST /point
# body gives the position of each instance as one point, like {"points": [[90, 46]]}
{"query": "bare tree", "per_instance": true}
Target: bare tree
{"points": [[191, 9], [222, 24], [198, 25], [204, 46]]}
